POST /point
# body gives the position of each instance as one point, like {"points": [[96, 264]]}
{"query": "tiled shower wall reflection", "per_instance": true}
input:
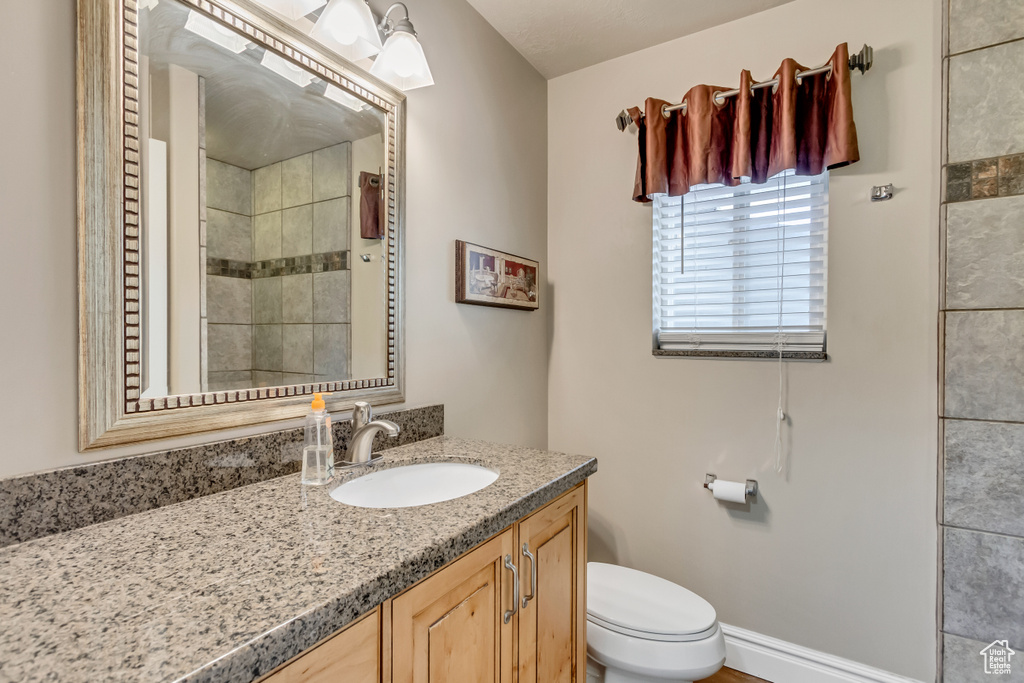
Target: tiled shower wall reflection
{"points": [[279, 294], [301, 284], [228, 295], [983, 341]]}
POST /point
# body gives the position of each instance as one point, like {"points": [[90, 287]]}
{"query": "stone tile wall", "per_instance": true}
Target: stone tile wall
{"points": [[982, 469], [229, 291], [278, 273], [300, 277]]}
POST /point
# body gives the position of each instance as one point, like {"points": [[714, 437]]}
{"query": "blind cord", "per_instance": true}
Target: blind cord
{"points": [[780, 340]]}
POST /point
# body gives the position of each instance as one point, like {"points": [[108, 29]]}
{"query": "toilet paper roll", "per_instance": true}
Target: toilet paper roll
{"points": [[732, 491]]}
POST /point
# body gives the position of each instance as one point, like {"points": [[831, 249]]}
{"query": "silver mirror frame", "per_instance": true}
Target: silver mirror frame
{"points": [[111, 409]]}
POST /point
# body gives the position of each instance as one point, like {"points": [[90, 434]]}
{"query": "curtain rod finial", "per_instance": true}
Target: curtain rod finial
{"points": [[623, 120], [863, 59]]}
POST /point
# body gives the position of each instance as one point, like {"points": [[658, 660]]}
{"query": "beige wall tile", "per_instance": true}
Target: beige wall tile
{"points": [[297, 181], [331, 297], [229, 300], [297, 342], [266, 236], [266, 184], [297, 298], [985, 101], [266, 300], [330, 351], [228, 235], [230, 347], [331, 225], [228, 187], [980, 23], [267, 349], [984, 365], [331, 172], [297, 231]]}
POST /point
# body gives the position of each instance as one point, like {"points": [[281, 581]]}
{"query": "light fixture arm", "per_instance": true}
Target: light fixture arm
{"points": [[389, 27]]}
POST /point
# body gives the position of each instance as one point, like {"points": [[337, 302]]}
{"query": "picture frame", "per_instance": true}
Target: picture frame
{"points": [[489, 277]]}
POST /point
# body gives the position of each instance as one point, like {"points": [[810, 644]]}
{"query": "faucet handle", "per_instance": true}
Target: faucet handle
{"points": [[362, 414]]}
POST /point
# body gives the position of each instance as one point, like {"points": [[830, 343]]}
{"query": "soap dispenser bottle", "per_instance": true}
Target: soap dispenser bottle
{"points": [[318, 448]]}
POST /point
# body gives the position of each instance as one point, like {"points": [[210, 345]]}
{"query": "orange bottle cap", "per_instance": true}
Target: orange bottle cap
{"points": [[318, 401]]}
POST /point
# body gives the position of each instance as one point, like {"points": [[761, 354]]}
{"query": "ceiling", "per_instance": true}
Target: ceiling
{"points": [[253, 116], [561, 36]]}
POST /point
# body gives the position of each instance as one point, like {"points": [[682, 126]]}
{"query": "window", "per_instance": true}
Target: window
{"points": [[743, 268]]}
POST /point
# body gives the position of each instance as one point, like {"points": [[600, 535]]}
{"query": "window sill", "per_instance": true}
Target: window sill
{"points": [[817, 356]]}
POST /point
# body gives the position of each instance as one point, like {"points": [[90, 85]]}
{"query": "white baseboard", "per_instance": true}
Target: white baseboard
{"points": [[781, 662]]}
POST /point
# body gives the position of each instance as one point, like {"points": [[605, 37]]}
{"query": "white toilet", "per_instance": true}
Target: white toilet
{"points": [[644, 629]]}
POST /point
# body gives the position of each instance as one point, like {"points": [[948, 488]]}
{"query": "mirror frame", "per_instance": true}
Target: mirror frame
{"points": [[111, 409]]}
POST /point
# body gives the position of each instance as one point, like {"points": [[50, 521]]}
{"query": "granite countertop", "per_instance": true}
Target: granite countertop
{"points": [[229, 586]]}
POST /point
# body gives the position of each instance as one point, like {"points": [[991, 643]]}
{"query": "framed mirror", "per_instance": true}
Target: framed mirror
{"points": [[240, 201]]}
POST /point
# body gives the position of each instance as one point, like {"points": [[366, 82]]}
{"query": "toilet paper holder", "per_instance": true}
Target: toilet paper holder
{"points": [[750, 491]]}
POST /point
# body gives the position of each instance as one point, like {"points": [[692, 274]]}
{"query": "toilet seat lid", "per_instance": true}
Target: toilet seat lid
{"points": [[641, 602]]}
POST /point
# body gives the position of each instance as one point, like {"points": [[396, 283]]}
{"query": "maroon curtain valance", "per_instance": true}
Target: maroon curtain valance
{"points": [[806, 126]]}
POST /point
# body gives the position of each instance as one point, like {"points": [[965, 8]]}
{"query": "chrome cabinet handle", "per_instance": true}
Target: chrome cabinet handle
{"points": [[515, 588], [533, 574]]}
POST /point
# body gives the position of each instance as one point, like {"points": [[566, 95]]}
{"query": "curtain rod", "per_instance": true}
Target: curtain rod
{"points": [[862, 61]]}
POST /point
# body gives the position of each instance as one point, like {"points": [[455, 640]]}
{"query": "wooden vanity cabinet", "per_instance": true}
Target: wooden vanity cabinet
{"points": [[353, 655], [451, 626], [552, 623]]}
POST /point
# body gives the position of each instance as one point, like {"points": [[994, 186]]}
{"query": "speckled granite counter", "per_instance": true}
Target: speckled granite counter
{"points": [[229, 586]]}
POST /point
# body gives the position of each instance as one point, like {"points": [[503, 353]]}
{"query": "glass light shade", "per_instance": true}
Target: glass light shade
{"points": [[293, 9], [201, 25], [348, 28], [402, 62], [341, 97], [282, 67]]}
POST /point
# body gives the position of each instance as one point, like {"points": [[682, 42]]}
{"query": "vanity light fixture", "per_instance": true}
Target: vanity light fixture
{"points": [[293, 9], [282, 67], [348, 28], [201, 25], [341, 97], [401, 62]]}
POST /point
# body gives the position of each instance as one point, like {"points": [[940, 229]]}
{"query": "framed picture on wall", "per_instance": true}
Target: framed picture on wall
{"points": [[488, 277]]}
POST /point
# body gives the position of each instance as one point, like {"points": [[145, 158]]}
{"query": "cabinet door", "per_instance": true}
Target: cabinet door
{"points": [[450, 628], [552, 624], [352, 656]]}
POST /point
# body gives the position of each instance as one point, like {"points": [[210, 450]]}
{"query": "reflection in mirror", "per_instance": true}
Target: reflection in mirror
{"points": [[263, 254]]}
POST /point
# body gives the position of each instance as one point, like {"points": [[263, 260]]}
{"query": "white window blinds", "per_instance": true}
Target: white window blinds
{"points": [[742, 268]]}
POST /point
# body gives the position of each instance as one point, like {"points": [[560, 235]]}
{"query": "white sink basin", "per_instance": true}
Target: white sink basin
{"points": [[410, 485]]}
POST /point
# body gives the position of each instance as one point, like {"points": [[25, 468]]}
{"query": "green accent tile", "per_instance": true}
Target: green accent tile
{"points": [[958, 192], [956, 173], [1011, 185]]}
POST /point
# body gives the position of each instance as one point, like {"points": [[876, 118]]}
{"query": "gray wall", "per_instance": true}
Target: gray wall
{"points": [[476, 166], [838, 554], [982, 305]]}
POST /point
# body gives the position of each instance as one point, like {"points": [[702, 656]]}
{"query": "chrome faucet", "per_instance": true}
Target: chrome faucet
{"points": [[364, 428]]}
